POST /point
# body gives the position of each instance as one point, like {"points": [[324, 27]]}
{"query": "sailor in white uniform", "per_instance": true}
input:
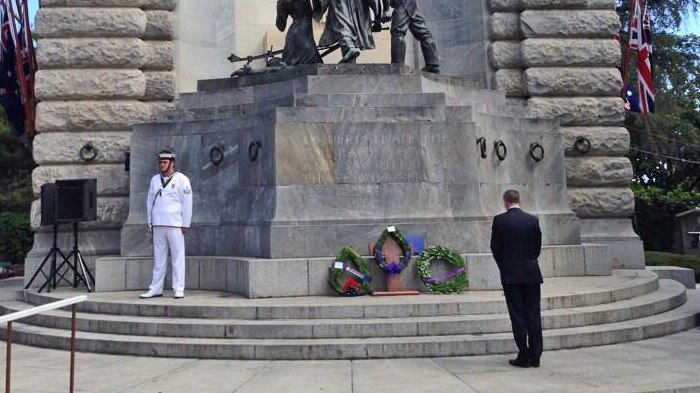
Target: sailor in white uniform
{"points": [[169, 212]]}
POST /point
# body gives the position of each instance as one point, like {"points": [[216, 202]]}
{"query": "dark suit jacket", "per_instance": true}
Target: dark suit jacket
{"points": [[516, 241]]}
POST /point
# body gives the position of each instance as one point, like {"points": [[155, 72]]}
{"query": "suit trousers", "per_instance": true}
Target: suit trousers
{"points": [[165, 238], [523, 302]]}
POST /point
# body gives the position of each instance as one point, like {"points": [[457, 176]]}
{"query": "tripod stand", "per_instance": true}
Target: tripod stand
{"points": [[80, 270], [50, 257], [81, 273]]}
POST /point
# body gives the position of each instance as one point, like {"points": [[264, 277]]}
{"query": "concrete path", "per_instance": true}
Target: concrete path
{"points": [[667, 364]]}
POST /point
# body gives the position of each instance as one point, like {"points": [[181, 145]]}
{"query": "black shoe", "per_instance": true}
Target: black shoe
{"points": [[434, 69], [519, 362], [351, 56], [535, 363]]}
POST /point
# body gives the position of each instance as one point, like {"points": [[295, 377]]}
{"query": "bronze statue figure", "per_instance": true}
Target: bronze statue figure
{"points": [[407, 16], [349, 24], [300, 46]]}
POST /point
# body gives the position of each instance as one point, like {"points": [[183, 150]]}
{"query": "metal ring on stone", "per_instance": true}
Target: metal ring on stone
{"points": [[216, 155], [582, 145], [501, 150], [254, 150], [481, 142], [127, 161], [536, 152], [88, 152]]}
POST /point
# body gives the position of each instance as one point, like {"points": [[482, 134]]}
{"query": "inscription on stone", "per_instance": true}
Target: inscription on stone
{"points": [[388, 156]]}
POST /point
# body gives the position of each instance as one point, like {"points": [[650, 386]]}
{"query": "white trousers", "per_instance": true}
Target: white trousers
{"points": [[164, 238]]}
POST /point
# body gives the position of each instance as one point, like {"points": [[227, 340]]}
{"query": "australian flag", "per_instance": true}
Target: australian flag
{"points": [[10, 96], [631, 99]]}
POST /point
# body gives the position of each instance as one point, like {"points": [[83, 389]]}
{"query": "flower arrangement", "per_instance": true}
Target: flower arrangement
{"points": [[454, 281], [392, 269], [350, 274]]}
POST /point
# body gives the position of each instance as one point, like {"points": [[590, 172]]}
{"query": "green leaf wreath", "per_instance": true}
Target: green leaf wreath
{"points": [[355, 280], [453, 282], [392, 268]]}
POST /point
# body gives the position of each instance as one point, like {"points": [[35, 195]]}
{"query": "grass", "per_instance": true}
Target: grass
{"points": [[656, 258]]}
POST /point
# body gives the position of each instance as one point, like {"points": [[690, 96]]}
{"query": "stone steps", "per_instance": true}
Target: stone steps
{"points": [[376, 108], [681, 318], [369, 100], [459, 91], [379, 82], [389, 114], [591, 291], [669, 296]]}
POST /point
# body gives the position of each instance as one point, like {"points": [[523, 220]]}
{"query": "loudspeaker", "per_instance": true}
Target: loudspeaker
{"points": [[76, 200], [48, 204]]}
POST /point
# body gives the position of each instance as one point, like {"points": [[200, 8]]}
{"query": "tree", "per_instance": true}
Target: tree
{"points": [[665, 146], [16, 167]]}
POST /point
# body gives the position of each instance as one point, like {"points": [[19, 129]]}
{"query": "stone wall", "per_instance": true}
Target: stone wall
{"points": [[559, 56], [103, 66]]}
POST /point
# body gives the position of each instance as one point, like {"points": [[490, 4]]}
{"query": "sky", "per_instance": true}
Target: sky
{"points": [[691, 24], [33, 6]]}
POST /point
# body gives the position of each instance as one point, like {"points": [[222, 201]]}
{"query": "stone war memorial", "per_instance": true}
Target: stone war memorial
{"points": [[289, 164]]}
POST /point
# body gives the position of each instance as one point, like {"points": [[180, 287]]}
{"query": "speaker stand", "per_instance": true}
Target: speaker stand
{"points": [[51, 258], [81, 272]]}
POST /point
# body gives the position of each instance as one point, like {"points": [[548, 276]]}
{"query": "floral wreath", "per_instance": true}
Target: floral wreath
{"points": [[392, 269], [358, 283], [454, 281]]}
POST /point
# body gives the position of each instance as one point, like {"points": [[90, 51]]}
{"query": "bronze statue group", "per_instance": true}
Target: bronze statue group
{"points": [[349, 25]]}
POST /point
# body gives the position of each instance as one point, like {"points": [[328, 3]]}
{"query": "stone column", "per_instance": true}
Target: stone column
{"points": [[559, 56], [103, 66]]}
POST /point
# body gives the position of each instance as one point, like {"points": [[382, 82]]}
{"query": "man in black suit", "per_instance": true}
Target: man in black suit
{"points": [[516, 241]]}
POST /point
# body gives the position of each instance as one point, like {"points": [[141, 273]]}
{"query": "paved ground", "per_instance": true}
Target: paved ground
{"points": [[668, 364]]}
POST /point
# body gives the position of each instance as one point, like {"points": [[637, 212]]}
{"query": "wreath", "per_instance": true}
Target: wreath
{"points": [[392, 269], [452, 282], [358, 283]]}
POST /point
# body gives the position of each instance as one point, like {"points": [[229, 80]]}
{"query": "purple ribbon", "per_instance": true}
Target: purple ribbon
{"points": [[444, 277], [392, 269]]}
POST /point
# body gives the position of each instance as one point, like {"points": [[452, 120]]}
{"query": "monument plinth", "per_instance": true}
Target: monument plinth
{"points": [[296, 164]]}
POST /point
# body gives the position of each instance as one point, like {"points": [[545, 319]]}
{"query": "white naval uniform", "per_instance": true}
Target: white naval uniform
{"points": [[169, 209]]}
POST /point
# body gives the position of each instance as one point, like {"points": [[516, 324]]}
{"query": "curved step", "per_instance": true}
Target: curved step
{"points": [[557, 293], [679, 319], [670, 295]]}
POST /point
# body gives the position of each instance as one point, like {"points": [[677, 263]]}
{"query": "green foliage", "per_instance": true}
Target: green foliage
{"points": [[677, 197], [666, 145], [16, 237], [677, 73], [654, 258], [667, 15], [655, 214], [16, 167], [335, 276], [18, 199], [456, 284]]}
